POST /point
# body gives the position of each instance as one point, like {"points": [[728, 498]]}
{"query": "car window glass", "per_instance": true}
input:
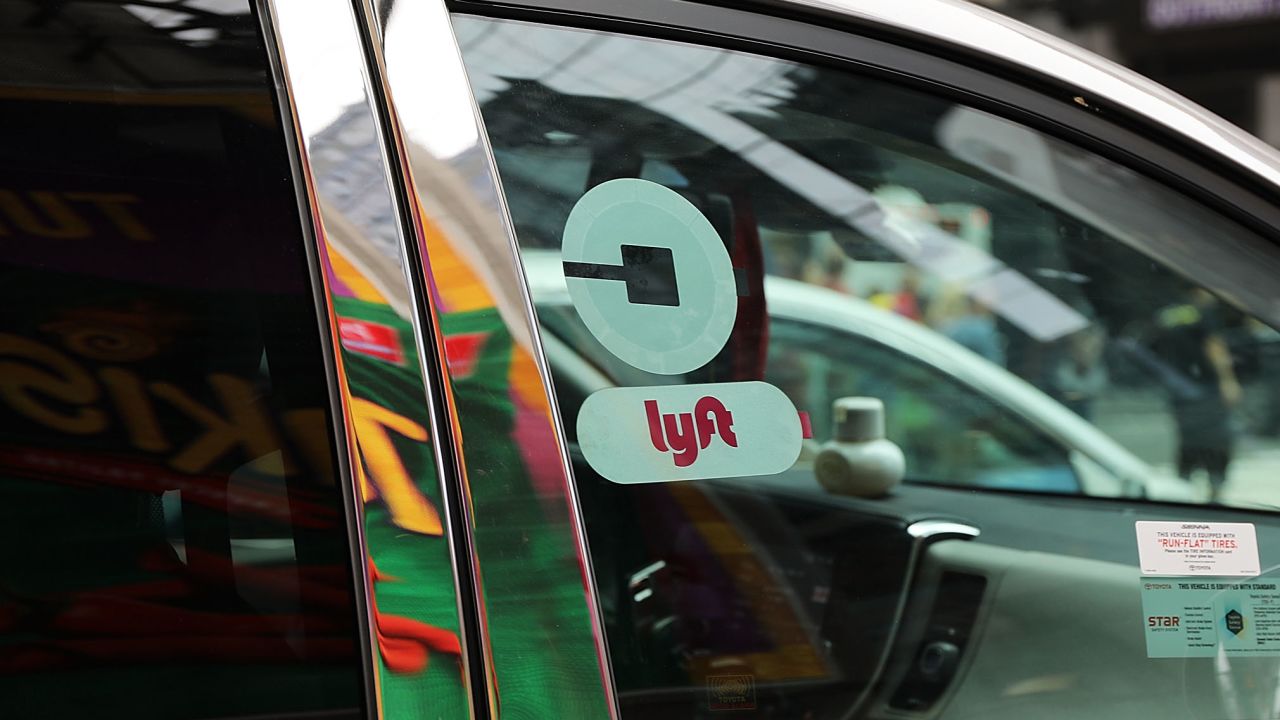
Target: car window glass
{"points": [[175, 543], [952, 433], [1038, 323], [1010, 262]]}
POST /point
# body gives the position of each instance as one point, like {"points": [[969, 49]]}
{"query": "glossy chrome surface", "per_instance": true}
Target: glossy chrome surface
{"points": [[389, 412], [515, 470], [348, 450], [934, 529], [977, 29]]}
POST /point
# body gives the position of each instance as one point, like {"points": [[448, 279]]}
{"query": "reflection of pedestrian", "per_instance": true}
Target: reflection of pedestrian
{"points": [[1080, 376], [975, 329], [881, 299], [786, 255], [907, 302], [829, 271], [1190, 342]]}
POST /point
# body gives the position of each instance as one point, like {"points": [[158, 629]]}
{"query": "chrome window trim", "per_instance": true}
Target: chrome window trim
{"points": [[376, 18], [477, 664], [456, 530], [311, 226]]}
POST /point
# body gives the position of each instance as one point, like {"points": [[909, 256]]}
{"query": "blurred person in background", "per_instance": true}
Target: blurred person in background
{"points": [[1080, 376], [1188, 339], [968, 322]]}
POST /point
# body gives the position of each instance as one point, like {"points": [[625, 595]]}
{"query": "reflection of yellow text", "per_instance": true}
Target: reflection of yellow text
{"points": [[387, 476], [240, 424], [49, 373], [66, 216], [54, 391]]}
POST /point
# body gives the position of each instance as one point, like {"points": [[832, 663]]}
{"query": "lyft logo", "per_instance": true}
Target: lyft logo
{"points": [[762, 436], [685, 434]]}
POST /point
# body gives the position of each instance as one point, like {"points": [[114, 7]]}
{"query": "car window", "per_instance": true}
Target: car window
{"points": [[174, 536], [1014, 257], [769, 290], [950, 433]]}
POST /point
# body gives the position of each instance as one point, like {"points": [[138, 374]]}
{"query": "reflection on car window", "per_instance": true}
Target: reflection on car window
{"points": [[952, 434], [1042, 295], [1037, 322], [174, 538]]}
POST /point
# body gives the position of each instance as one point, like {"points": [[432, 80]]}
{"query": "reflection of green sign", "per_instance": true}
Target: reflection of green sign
{"points": [[649, 275]]}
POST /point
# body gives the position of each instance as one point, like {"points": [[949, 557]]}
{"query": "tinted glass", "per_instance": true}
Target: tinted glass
{"points": [[1003, 269], [174, 536], [1042, 327]]}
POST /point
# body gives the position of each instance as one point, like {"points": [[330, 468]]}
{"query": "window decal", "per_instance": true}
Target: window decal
{"points": [[689, 432], [649, 275], [1193, 617], [1197, 548]]}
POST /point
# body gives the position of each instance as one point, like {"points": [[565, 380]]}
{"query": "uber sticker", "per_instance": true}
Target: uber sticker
{"points": [[649, 276], [1189, 617], [1191, 548]]}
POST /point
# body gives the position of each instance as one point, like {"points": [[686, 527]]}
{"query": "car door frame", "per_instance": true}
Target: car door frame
{"points": [[1052, 100], [1052, 104]]}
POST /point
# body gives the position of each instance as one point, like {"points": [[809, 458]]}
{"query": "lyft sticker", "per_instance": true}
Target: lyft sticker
{"points": [[689, 432]]}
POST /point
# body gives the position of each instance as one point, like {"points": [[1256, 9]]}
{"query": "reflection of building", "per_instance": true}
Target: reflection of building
{"points": [[176, 55], [1220, 53]]}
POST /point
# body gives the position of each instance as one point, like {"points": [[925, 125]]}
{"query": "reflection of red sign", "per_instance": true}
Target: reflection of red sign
{"points": [[404, 643], [259, 496], [369, 338], [462, 351]]}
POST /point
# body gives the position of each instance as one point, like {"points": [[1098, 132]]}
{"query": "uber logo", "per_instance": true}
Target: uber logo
{"points": [[649, 276], [648, 272]]}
